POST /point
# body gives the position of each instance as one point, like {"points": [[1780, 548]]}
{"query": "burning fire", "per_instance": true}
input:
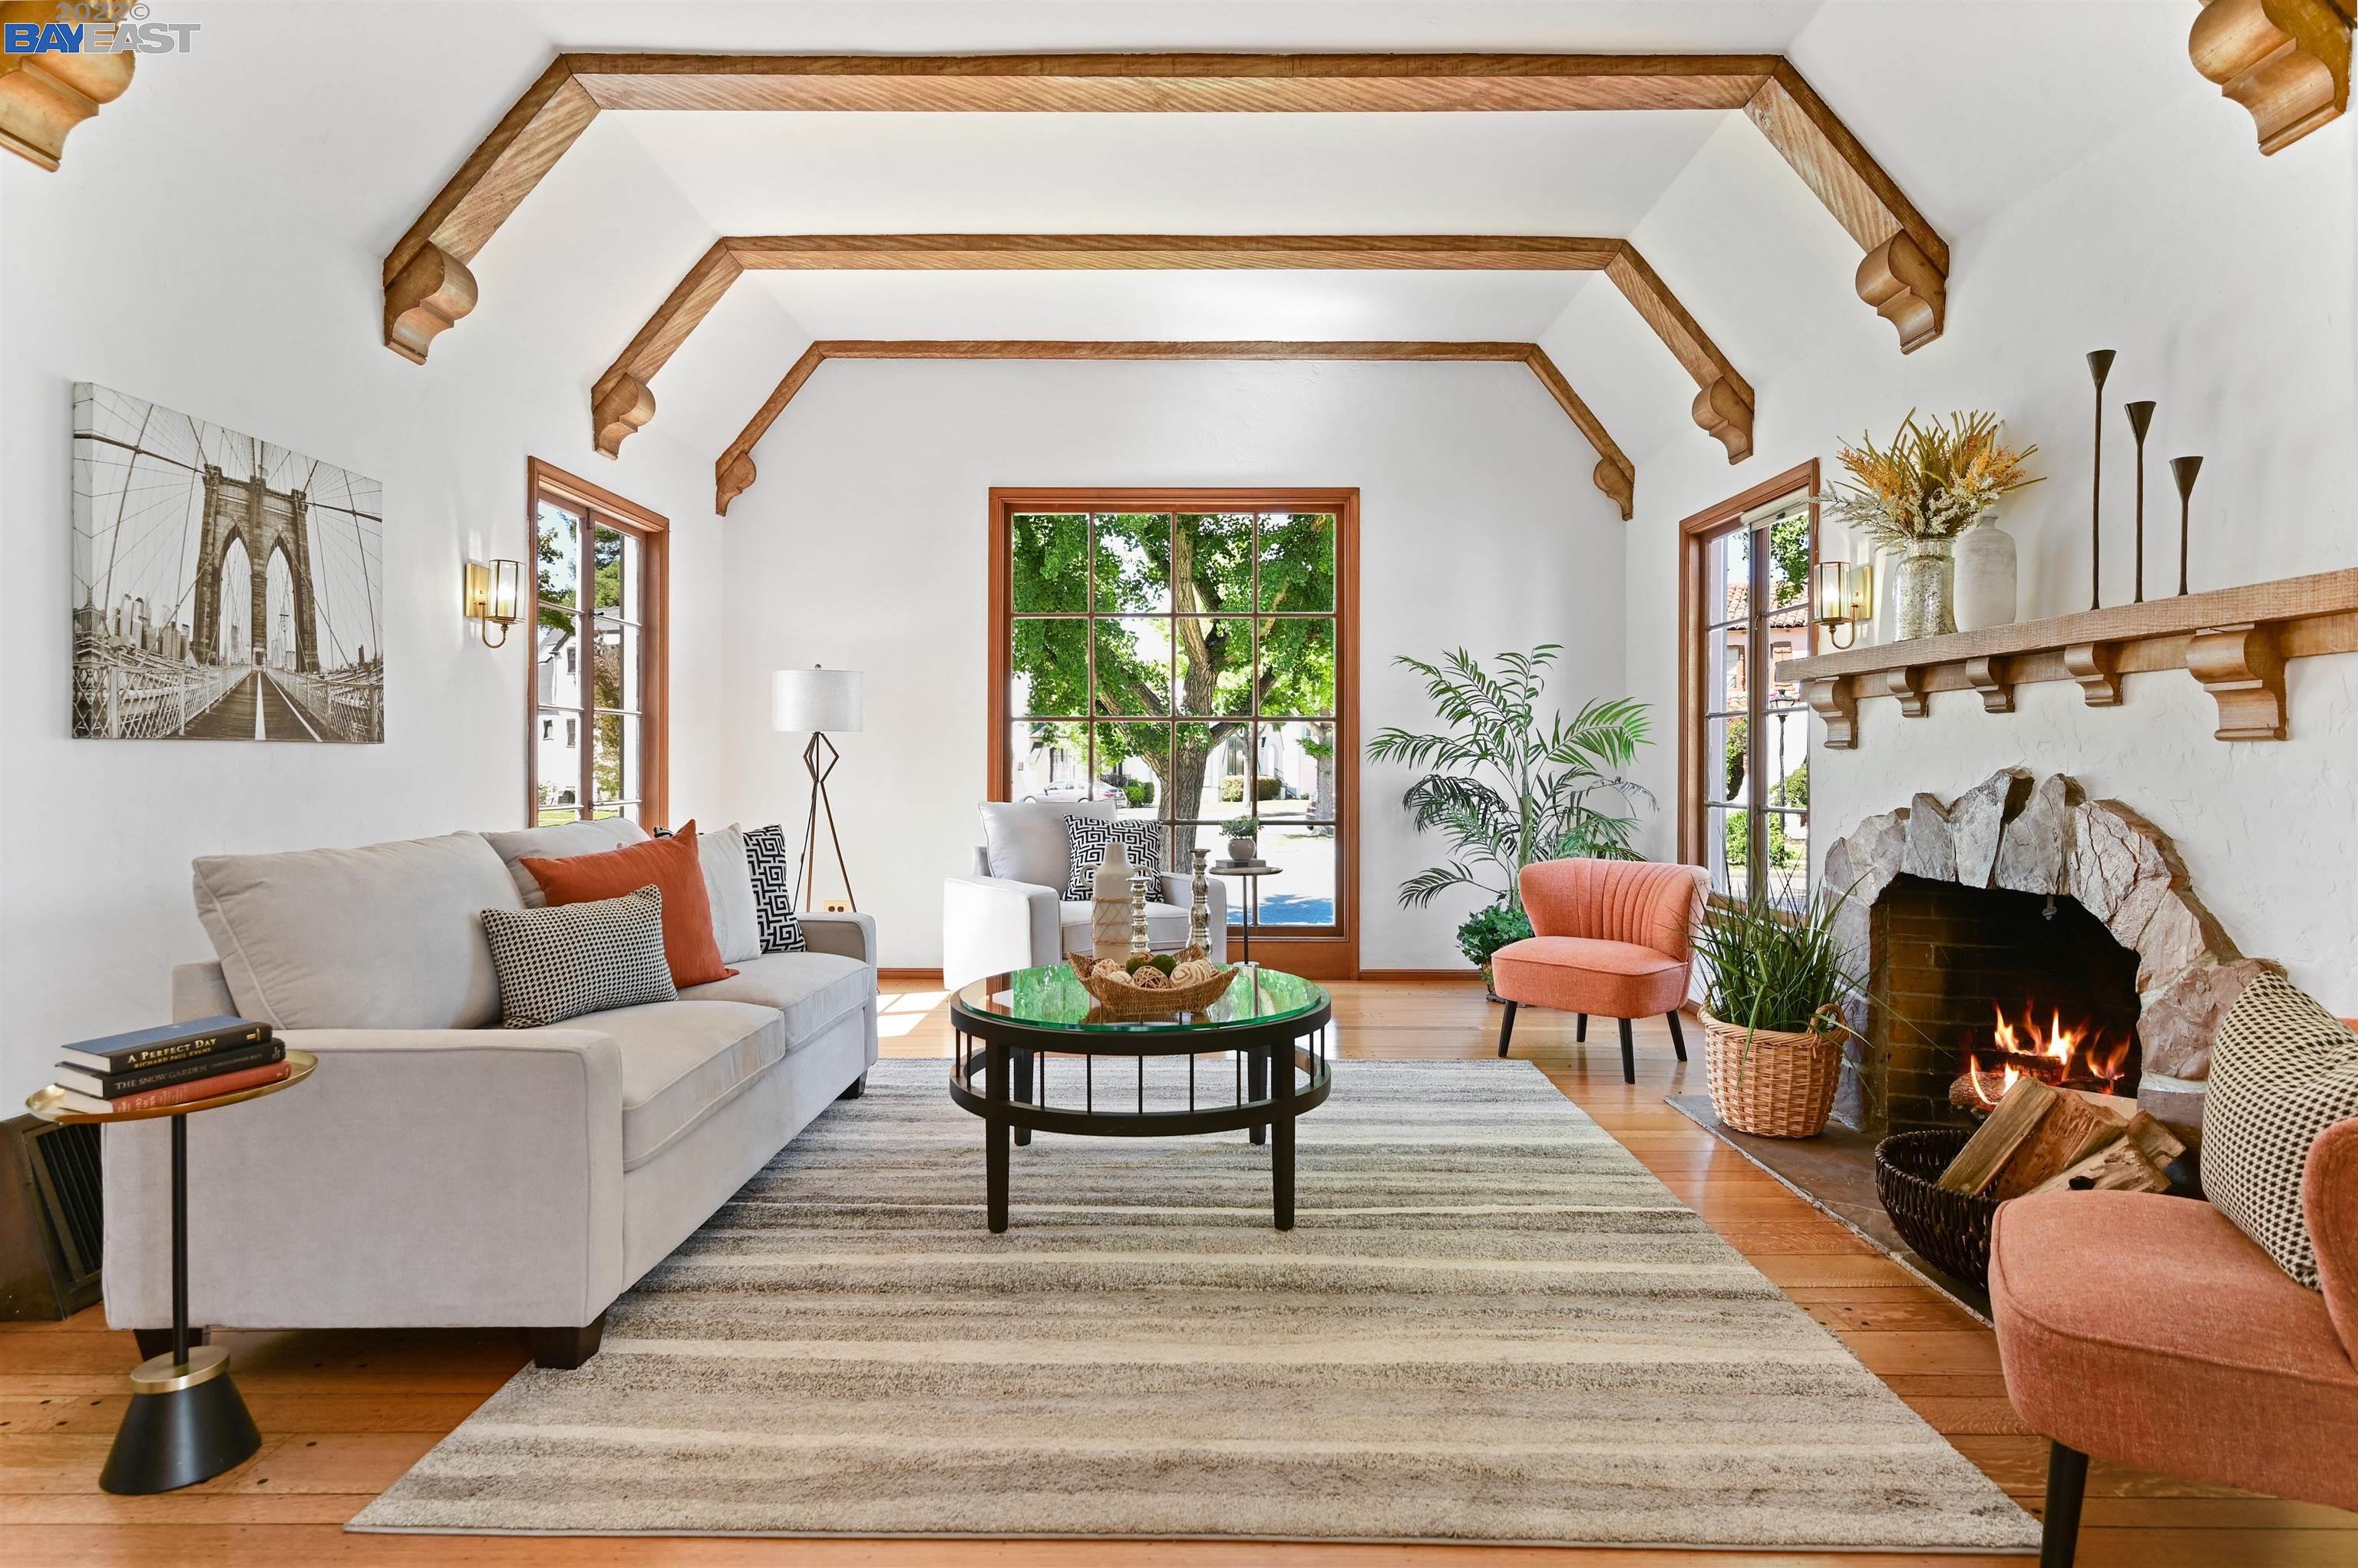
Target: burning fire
{"points": [[2059, 1053]]}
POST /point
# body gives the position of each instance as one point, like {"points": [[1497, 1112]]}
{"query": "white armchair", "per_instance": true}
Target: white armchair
{"points": [[1011, 912]]}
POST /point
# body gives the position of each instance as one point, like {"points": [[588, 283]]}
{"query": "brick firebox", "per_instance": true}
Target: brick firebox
{"points": [[1944, 956]]}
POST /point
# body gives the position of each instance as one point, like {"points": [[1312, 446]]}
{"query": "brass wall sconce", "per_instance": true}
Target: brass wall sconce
{"points": [[493, 596], [1843, 598]]}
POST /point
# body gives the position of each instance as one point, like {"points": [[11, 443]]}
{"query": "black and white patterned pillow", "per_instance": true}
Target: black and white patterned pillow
{"points": [[2282, 1071], [1089, 840], [572, 958], [773, 890]]}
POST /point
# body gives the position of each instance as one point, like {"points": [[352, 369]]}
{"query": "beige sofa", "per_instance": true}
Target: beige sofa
{"points": [[438, 1170]]}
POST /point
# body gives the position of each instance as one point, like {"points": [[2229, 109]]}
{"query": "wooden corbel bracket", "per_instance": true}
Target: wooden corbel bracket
{"points": [[1834, 702], [2242, 669], [44, 96], [1906, 684], [2287, 61], [1992, 675], [2098, 667]]}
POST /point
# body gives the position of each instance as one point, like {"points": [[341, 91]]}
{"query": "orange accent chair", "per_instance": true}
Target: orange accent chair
{"points": [[1611, 937], [2150, 1331]]}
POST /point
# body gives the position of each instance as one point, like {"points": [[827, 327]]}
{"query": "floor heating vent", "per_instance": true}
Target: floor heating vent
{"points": [[49, 1219]]}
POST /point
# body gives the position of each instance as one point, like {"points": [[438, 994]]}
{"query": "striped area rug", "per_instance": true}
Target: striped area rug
{"points": [[1491, 1324]]}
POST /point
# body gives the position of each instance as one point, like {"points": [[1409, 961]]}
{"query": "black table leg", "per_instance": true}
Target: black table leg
{"points": [[994, 1137], [1023, 1091], [1281, 1155], [186, 1422], [1257, 1086]]}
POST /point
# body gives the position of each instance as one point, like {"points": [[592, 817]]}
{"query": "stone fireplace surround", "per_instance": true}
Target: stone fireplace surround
{"points": [[2044, 836]]}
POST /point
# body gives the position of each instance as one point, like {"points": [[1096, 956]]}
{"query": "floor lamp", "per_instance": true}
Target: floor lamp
{"points": [[817, 700]]}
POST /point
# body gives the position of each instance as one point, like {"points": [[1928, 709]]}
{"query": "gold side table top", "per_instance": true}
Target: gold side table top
{"points": [[48, 1103]]}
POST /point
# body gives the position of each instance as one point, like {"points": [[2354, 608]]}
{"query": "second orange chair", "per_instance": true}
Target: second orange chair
{"points": [[1611, 937]]}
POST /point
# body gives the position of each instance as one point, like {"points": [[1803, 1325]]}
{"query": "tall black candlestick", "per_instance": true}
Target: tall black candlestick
{"points": [[2099, 365], [2183, 471], [2140, 420]]}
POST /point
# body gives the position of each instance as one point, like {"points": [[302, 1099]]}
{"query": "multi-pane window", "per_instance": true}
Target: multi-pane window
{"points": [[596, 734], [1754, 749], [1181, 666]]}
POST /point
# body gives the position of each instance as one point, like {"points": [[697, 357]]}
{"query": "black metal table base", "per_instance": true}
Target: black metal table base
{"points": [[186, 1422], [1277, 1077]]}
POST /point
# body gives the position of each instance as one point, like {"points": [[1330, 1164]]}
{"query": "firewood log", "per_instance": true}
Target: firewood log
{"points": [[2014, 1118], [2118, 1166], [2073, 1128]]}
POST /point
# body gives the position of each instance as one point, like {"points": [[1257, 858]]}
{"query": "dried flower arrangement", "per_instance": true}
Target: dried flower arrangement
{"points": [[1934, 482]]}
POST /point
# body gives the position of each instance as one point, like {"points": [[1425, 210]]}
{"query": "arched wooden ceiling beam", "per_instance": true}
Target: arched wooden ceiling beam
{"points": [[44, 96], [734, 473], [620, 401], [427, 286]]}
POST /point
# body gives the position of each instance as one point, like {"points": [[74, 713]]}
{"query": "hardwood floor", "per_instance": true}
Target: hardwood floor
{"points": [[344, 1413]]}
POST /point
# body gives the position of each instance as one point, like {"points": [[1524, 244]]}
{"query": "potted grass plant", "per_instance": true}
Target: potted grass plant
{"points": [[1775, 978]]}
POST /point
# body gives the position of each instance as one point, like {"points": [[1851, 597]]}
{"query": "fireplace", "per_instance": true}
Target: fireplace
{"points": [[2022, 911], [1976, 985]]}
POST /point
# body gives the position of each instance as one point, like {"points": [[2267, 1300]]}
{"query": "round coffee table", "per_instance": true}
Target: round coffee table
{"points": [[1273, 1023]]}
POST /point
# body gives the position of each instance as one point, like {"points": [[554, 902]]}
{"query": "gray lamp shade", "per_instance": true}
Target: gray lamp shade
{"points": [[815, 698]]}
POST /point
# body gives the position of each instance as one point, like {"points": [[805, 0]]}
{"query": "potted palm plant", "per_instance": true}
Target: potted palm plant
{"points": [[1776, 976], [1507, 790]]}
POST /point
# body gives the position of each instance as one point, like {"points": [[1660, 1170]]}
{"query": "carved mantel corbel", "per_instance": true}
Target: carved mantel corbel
{"points": [[1834, 702], [2288, 61], [2098, 667], [2242, 669]]}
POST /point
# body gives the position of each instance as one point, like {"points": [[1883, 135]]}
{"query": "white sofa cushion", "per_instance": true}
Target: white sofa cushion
{"points": [[728, 885], [384, 936], [681, 1061], [812, 990], [1023, 840], [1167, 926], [559, 841]]}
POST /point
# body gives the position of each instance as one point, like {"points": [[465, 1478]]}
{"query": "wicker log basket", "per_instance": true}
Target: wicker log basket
{"points": [[1774, 1083], [1949, 1230]]}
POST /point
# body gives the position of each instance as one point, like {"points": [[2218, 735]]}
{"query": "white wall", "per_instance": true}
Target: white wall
{"points": [[865, 545], [2226, 282], [157, 266]]}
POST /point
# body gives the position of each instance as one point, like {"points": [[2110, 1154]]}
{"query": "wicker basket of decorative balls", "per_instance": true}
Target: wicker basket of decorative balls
{"points": [[1153, 985]]}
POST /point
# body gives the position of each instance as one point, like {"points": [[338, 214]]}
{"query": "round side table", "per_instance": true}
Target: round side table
{"points": [[1249, 873], [186, 1422]]}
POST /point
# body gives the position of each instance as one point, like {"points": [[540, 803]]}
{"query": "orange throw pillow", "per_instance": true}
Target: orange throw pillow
{"points": [[671, 865]]}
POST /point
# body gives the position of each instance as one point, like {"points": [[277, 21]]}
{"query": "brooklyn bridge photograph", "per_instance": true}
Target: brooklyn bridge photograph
{"points": [[225, 589]]}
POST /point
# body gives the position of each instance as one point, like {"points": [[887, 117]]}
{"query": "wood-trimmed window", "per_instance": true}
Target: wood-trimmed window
{"points": [[1191, 656], [1744, 733], [596, 741]]}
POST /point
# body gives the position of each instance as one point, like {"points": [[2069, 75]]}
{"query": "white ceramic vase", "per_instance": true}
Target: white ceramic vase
{"points": [[1987, 583]]}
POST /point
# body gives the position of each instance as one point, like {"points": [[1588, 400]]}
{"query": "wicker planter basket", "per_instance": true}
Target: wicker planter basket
{"points": [[1771, 1081], [1949, 1230], [1115, 999]]}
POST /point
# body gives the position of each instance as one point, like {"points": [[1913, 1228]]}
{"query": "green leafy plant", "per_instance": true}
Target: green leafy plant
{"points": [[1485, 931], [1138, 793], [1241, 827], [1506, 790], [1774, 963]]}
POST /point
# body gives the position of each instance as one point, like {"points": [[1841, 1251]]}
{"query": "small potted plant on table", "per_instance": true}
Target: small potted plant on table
{"points": [[1775, 978], [1243, 832]]}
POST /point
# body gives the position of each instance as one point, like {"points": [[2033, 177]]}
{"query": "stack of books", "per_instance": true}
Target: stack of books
{"points": [[172, 1065]]}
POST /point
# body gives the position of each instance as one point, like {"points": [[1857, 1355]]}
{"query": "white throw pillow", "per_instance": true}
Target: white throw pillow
{"points": [[729, 881], [1023, 840]]}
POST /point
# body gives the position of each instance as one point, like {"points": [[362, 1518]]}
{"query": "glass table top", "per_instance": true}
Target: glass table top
{"points": [[1052, 998]]}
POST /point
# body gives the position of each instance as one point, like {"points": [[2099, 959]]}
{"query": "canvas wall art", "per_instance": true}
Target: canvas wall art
{"points": [[225, 587]]}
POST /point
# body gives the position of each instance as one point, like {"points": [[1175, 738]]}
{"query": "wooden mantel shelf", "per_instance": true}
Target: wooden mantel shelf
{"points": [[2235, 642]]}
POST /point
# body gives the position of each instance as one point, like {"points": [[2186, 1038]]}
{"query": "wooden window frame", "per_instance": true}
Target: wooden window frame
{"points": [[1694, 533], [1331, 953], [599, 505]]}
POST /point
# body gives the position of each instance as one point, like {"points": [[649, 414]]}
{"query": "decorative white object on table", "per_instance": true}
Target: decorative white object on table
{"points": [[1112, 908]]}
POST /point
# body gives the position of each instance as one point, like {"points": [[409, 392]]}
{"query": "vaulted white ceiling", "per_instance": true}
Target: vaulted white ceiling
{"points": [[1967, 104]]}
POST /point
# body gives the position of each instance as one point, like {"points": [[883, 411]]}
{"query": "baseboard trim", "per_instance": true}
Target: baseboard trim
{"points": [[1424, 977], [910, 979]]}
